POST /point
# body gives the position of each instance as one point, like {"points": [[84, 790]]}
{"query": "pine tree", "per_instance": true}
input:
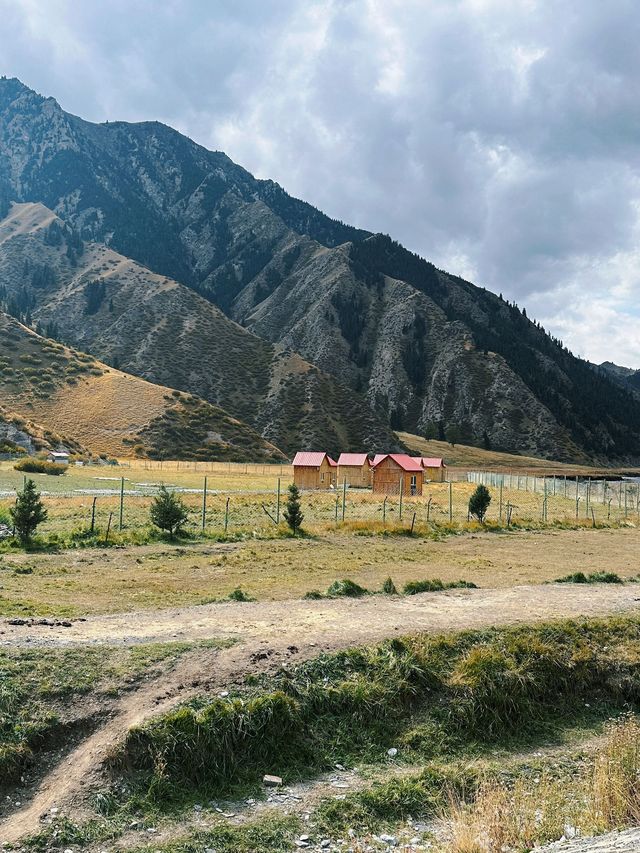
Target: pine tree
{"points": [[431, 431], [453, 434], [168, 512], [28, 512], [292, 514], [479, 503]]}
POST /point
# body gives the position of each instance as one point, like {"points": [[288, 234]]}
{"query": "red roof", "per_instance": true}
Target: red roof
{"points": [[355, 459], [378, 458], [407, 463], [311, 459], [432, 462]]}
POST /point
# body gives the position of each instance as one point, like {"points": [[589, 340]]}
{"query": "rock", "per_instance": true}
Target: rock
{"points": [[391, 840], [271, 781], [392, 752]]}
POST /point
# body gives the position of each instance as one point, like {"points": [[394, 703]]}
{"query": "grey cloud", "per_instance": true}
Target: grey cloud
{"points": [[500, 140]]}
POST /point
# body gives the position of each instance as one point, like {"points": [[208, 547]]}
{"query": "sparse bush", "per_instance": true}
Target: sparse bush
{"points": [[389, 588], [595, 577], [435, 585], [31, 465], [313, 595], [346, 589], [239, 595]]}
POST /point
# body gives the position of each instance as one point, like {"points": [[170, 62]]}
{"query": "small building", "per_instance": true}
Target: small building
{"points": [[354, 469], [313, 470], [396, 473], [59, 456], [435, 470]]}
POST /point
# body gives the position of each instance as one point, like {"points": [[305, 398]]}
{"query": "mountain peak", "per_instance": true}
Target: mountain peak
{"points": [[11, 88]]}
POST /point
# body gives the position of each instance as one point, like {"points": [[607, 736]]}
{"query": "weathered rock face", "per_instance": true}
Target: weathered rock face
{"points": [[10, 433], [420, 345]]}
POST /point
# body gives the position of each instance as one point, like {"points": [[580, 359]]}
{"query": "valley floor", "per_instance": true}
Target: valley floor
{"points": [[152, 601], [79, 582]]}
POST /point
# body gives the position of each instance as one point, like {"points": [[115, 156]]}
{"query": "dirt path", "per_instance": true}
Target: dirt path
{"points": [[270, 633], [336, 622]]}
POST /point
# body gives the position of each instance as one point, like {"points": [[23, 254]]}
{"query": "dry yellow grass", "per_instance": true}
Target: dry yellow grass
{"points": [[465, 456], [104, 411], [605, 795]]}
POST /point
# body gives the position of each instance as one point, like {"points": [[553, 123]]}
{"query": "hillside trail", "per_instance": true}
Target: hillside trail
{"points": [[270, 633]]}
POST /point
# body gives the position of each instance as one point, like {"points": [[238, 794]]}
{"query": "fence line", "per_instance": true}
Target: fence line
{"points": [[515, 498]]}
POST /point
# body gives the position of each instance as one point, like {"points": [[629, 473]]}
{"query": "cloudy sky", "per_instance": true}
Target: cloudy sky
{"points": [[498, 138]]}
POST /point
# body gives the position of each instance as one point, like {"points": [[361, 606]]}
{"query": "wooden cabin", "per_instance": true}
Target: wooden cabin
{"points": [[313, 470], [435, 471], [354, 469], [396, 472]]}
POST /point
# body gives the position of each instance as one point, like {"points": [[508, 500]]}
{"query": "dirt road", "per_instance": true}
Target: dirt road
{"points": [[335, 622]]}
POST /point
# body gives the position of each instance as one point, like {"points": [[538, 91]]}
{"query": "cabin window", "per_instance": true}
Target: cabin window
{"points": [[414, 484], [322, 476]]}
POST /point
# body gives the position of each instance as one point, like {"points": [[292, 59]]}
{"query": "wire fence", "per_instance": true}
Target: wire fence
{"points": [[515, 499]]}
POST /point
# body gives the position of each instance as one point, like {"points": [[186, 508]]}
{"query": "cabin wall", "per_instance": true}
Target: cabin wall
{"points": [[435, 475], [305, 477], [387, 476], [355, 475]]}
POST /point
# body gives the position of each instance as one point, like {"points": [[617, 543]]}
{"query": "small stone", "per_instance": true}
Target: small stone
{"points": [[271, 781], [392, 752]]}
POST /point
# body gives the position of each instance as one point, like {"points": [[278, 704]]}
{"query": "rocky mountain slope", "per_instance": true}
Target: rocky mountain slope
{"points": [[146, 324], [423, 347], [84, 402]]}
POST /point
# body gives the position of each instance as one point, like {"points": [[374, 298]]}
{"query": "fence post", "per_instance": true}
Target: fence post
{"points": [[625, 500], [278, 504], [344, 497], [106, 536], [204, 504], [226, 515], [384, 510], [401, 493], [121, 502], [450, 501], [501, 483], [588, 496], [93, 515]]}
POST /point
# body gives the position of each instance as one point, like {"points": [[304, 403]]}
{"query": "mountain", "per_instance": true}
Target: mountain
{"points": [[625, 376], [146, 324], [338, 322], [86, 403]]}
